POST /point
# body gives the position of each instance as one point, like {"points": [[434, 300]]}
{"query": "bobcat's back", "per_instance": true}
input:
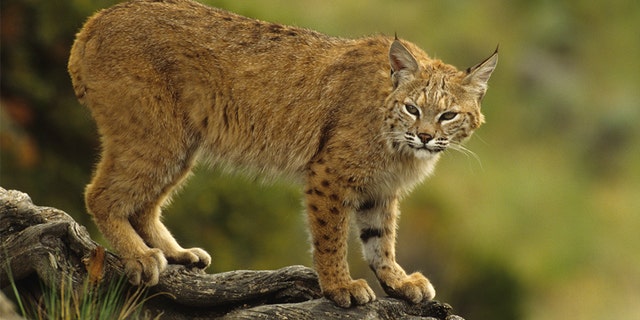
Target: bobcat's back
{"points": [[243, 91]]}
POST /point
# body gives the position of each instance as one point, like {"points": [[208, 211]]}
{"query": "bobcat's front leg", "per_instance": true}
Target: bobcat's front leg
{"points": [[329, 223], [377, 222]]}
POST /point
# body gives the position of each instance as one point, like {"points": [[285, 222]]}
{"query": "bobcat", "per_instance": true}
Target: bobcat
{"points": [[358, 122]]}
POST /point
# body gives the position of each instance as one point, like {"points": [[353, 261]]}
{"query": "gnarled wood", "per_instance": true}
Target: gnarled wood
{"points": [[50, 244]]}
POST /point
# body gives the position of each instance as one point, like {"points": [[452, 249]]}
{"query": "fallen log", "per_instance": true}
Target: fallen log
{"points": [[48, 244]]}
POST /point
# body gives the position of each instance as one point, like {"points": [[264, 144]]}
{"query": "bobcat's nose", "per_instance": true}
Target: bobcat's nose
{"points": [[425, 137]]}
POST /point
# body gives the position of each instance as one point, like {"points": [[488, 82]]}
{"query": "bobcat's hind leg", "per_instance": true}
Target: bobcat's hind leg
{"points": [[156, 234], [125, 197], [111, 200]]}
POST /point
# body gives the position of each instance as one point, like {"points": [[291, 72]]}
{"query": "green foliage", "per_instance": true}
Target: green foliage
{"points": [[113, 300], [243, 223], [546, 223]]}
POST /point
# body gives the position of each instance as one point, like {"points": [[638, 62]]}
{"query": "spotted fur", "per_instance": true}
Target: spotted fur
{"points": [[358, 121]]}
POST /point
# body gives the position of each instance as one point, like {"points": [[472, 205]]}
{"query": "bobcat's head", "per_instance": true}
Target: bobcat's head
{"points": [[433, 105]]}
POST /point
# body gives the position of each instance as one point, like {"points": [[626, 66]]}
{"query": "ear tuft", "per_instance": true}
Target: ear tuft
{"points": [[478, 76], [404, 66]]}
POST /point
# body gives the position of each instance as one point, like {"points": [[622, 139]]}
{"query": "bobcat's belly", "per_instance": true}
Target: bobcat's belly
{"points": [[272, 148]]}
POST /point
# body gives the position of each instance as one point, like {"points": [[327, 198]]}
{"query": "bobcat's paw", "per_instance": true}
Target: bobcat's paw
{"points": [[145, 269], [195, 257], [414, 288], [355, 292]]}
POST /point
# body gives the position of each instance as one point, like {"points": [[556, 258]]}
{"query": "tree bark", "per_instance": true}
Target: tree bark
{"points": [[47, 243]]}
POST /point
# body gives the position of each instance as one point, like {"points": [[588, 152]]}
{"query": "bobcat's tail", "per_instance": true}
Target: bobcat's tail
{"points": [[75, 67]]}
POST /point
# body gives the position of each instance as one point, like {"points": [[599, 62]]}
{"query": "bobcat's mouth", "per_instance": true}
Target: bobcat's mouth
{"points": [[426, 142], [424, 147]]}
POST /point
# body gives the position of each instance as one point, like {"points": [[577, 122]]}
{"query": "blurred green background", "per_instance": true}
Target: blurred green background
{"points": [[543, 226]]}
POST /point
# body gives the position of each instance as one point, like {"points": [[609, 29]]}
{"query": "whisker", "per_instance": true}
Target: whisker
{"points": [[468, 153], [479, 137]]}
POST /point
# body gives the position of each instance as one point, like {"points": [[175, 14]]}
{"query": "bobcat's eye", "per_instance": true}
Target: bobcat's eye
{"points": [[448, 116], [411, 109]]}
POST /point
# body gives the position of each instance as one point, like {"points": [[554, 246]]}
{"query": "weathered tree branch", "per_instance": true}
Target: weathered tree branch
{"points": [[48, 243]]}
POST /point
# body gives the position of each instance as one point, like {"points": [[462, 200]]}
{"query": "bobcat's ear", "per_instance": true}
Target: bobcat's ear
{"points": [[478, 75], [404, 66]]}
